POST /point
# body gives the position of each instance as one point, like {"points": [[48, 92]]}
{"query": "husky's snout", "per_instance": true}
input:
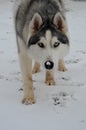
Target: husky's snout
{"points": [[49, 65]]}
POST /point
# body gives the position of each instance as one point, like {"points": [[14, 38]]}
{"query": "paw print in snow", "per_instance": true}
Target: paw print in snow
{"points": [[60, 98]]}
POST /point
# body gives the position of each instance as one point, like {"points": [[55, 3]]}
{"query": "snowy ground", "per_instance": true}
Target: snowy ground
{"points": [[62, 107]]}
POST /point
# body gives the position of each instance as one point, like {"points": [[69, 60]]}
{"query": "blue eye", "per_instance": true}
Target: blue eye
{"points": [[56, 44], [41, 45]]}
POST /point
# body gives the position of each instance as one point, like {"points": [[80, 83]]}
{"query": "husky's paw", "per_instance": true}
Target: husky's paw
{"points": [[62, 68], [35, 70], [28, 100], [50, 82]]}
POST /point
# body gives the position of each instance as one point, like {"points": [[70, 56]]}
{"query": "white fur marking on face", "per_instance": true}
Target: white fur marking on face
{"points": [[54, 39], [48, 36]]}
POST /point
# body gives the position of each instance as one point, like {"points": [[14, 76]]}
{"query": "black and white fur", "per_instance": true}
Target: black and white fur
{"points": [[42, 35]]}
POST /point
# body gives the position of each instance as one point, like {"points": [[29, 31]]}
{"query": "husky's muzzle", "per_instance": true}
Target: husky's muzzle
{"points": [[49, 65]]}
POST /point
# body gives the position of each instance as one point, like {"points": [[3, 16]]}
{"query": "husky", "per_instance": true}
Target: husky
{"points": [[42, 34]]}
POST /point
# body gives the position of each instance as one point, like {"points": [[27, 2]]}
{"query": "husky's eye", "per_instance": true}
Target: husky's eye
{"points": [[56, 44], [41, 45]]}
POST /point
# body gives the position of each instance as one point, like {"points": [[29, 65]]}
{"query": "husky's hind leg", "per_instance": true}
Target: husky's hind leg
{"points": [[61, 65], [36, 68]]}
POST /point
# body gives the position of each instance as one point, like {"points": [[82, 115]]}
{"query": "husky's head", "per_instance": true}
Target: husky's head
{"points": [[47, 40]]}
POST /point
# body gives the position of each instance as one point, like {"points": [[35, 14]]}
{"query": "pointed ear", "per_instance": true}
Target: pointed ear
{"points": [[35, 22], [59, 22]]}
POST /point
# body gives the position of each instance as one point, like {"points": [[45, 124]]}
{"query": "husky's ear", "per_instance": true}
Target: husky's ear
{"points": [[35, 22], [60, 22]]}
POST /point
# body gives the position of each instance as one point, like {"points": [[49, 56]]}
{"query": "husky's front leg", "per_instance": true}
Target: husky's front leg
{"points": [[49, 80], [26, 70]]}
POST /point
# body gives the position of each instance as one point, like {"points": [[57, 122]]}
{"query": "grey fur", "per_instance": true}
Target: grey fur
{"points": [[27, 8]]}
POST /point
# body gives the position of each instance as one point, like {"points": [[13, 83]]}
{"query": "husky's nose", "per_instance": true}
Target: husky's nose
{"points": [[49, 65]]}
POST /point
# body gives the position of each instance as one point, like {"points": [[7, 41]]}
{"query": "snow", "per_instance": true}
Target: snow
{"points": [[62, 107]]}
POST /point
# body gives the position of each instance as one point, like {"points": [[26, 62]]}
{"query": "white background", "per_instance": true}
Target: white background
{"points": [[70, 89]]}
